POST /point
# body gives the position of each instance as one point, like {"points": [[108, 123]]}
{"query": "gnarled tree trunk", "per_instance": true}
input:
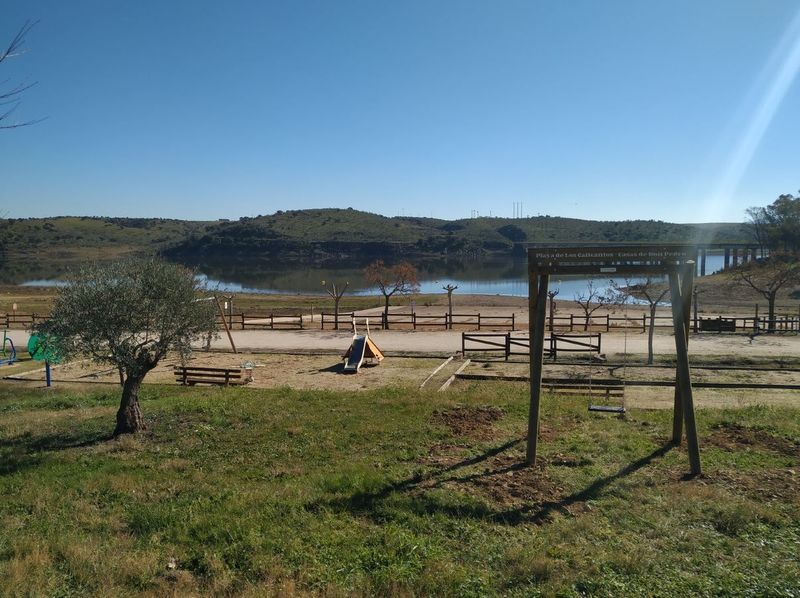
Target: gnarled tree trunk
{"points": [[129, 416]]}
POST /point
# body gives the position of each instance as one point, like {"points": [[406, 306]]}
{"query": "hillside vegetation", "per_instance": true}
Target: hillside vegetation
{"points": [[325, 233]]}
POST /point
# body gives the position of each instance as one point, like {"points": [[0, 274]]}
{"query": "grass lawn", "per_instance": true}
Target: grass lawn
{"points": [[395, 492]]}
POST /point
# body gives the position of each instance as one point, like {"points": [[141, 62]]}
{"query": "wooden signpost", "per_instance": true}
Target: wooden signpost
{"points": [[677, 262]]}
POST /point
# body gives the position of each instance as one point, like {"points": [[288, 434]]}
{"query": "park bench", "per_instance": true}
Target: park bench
{"points": [[191, 375]]}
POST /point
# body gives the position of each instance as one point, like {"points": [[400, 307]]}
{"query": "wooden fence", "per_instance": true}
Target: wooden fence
{"points": [[447, 321], [20, 320], [606, 323], [345, 319], [520, 345], [264, 322]]}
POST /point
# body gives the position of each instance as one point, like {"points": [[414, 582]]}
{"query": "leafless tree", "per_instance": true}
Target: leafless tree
{"points": [[450, 288], [592, 300], [651, 289], [769, 275], [336, 291]]}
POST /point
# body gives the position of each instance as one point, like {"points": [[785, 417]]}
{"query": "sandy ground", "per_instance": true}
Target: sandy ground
{"points": [[311, 358]]}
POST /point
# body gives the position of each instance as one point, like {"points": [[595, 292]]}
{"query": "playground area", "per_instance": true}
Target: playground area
{"points": [[313, 360]]}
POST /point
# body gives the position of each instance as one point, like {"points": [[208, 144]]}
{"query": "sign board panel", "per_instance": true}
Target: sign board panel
{"points": [[608, 259]]}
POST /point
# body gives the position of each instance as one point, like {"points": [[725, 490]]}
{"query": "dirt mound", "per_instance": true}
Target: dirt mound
{"points": [[471, 422]]}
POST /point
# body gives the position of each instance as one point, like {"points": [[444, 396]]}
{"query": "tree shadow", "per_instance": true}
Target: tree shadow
{"points": [[366, 503], [28, 451], [538, 513]]}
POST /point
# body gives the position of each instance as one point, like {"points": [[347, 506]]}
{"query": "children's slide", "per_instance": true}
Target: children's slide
{"points": [[355, 356]]}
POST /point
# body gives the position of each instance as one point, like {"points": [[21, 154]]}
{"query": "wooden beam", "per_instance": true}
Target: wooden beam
{"points": [[537, 304], [683, 374]]}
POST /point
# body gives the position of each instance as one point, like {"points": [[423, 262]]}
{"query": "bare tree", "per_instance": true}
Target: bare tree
{"points": [[651, 289], [592, 300], [336, 292], [9, 92], [400, 279], [449, 288], [767, 276], [552, 294]]}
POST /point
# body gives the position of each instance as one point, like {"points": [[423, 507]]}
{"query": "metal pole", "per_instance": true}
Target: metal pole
{"points": [[537, 295]]}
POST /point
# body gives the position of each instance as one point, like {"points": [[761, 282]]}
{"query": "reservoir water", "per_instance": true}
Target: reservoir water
{"points": [[479, 276], [484, 277]]}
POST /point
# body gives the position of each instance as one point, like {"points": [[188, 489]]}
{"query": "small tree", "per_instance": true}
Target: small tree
{"points": [[767, 276], [129, 314], [400, 279], [336, 292], [592, 300], [449, 288], [652, 289], [552, 294]]}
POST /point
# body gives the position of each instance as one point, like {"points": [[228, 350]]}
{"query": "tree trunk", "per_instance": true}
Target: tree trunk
{"points": [[450, 308], [129, 416], [650, 334], [386, 313], [771, 311], [336, 315]]}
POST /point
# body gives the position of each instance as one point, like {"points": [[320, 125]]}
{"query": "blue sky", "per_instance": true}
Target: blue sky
{"points": [[681, 111]]}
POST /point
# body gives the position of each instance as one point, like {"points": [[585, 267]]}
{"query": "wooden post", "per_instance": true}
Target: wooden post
{"points": [[536, 307], [225, 324], [684, 383]]}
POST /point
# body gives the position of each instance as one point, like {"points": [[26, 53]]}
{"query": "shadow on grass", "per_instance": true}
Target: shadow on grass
{"points": [[28, 450], [537, 512]]}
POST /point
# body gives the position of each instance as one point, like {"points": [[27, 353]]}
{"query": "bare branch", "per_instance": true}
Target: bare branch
{"points": [[14, 50]]}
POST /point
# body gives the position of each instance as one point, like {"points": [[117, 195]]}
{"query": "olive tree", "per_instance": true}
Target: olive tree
{"points": [[399, 279], [129, 314]]}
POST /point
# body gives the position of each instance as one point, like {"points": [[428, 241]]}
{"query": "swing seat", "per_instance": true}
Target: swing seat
{"points": [[607, 408], [610, 391]]}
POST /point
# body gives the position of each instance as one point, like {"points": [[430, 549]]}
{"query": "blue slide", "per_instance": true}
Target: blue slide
{"points": [[356, 357]]}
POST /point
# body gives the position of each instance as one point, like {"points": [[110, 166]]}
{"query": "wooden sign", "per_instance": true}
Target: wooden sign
{"points": [[609, 259]]}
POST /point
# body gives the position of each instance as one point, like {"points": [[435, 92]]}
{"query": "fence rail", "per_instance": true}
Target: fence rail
{"points": [[20, 320], [520, 345], [448, 321], [244, 321], [606, 323], [344, 318]]}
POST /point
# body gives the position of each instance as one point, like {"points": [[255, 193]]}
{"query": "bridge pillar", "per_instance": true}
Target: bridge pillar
{"points": [[735, 253], [703, 262], [727, 258]]}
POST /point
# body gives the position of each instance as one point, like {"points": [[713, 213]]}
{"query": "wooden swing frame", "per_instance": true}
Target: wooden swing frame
{"points": [[677, 262]]}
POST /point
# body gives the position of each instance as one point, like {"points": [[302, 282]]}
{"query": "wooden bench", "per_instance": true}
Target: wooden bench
{"points": [[191, 375]]}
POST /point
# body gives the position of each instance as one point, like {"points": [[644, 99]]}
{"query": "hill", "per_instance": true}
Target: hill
{"points": [[322, 234], [338, 233]]}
